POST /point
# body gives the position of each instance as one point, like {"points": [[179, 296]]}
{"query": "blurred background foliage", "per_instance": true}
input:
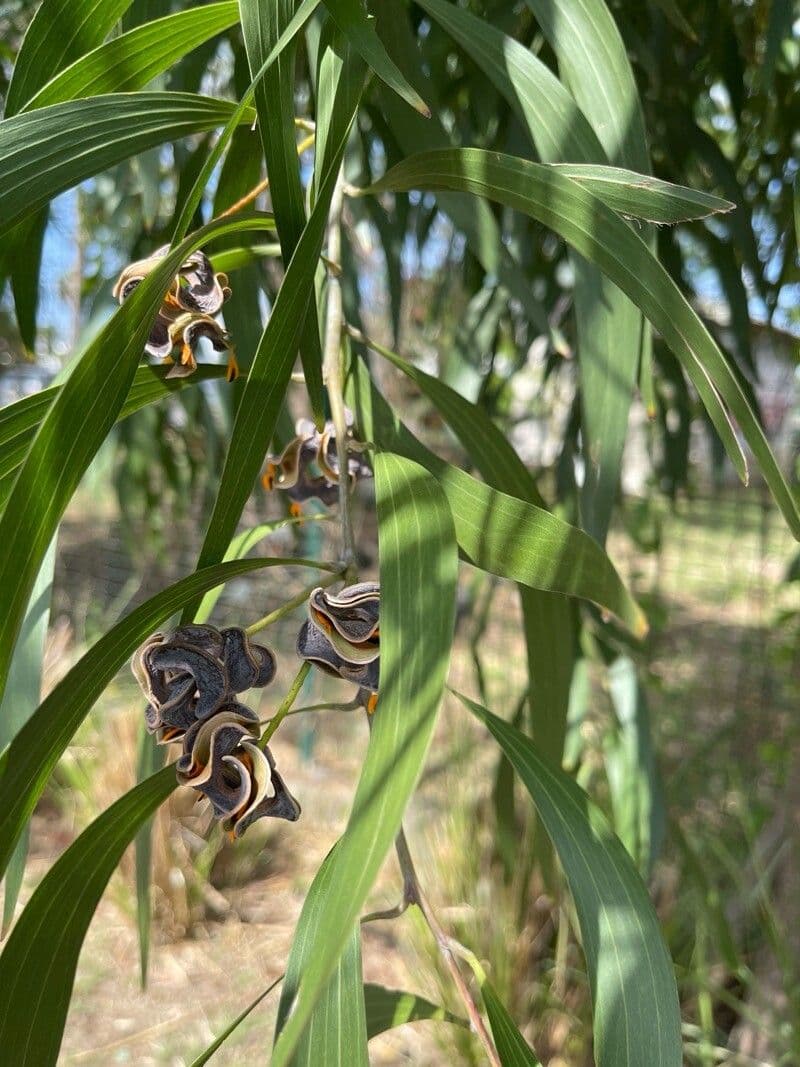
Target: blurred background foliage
{"points": [[689, 743]]}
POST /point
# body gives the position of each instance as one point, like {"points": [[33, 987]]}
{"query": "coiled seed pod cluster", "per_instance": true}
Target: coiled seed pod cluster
{"points": [[309, 465], [191, 678], [187, 313]]}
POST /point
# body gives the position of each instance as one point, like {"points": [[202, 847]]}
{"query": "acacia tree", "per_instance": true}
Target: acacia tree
{"points": [[513, 141]]}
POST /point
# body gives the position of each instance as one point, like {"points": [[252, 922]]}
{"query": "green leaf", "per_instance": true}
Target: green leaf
{"points": [[640, 196], [239, 547], [262, 25], [594, 64], [603, 238], [387, 1008], [19, 421], [217, 1043], [239, 174], [608, 326], [46, 151], [73, 429], [473, 218], [264, 390], [233, 259], [547, 616], [553, 120], [21, 699], [128, 62], [513, 1049], [636, 1013], [26, 764], [336, 1032], [60, 32], [418, 569], [358, 26], [633, 778], [238, 115], [500, 533], [37, 967], [24, 245], [506, 832], [612, 345]]}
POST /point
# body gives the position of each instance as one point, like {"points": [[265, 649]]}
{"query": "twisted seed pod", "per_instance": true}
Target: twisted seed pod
{"points": [[342, 633], [195, 295], [190, 674], [309, 465]]}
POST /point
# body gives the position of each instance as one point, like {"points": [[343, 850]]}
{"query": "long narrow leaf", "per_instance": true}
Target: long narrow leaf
{"points": [[418, 566], [548, 617], [336, 1032], [128, 62], [501, 533], [595, 65], [60, 32], [513, 1049], [26, 764], [603, 238], [637, 1019], [37, 967], [413, 133], [195, 195], [45, 151], [149, 760], [385, 1009], [19, 421], [593, 62], [218, 1042], [352, 20], [266, 383], [641, 196], [21, 700], [262, 25], [608, 325]]}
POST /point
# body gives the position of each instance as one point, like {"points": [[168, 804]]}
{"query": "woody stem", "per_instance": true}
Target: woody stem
{"points": [[262, 186], [412, 894]]}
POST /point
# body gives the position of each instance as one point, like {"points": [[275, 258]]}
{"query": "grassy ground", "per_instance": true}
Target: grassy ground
{"points": [[722, 682]]}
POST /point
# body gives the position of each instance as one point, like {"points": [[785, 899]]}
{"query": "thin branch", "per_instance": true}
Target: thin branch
{"points": [[412, 894], [295, 602], [389, 913], [262, 186]]}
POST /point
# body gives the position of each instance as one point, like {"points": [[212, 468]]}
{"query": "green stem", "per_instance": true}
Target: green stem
{"points": [[286, 705], [295, 602], [333, 372], [351, 705]]}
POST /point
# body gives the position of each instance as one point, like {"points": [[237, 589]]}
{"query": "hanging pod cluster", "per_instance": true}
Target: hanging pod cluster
{"points": [[187, 312], [191, 678]]}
